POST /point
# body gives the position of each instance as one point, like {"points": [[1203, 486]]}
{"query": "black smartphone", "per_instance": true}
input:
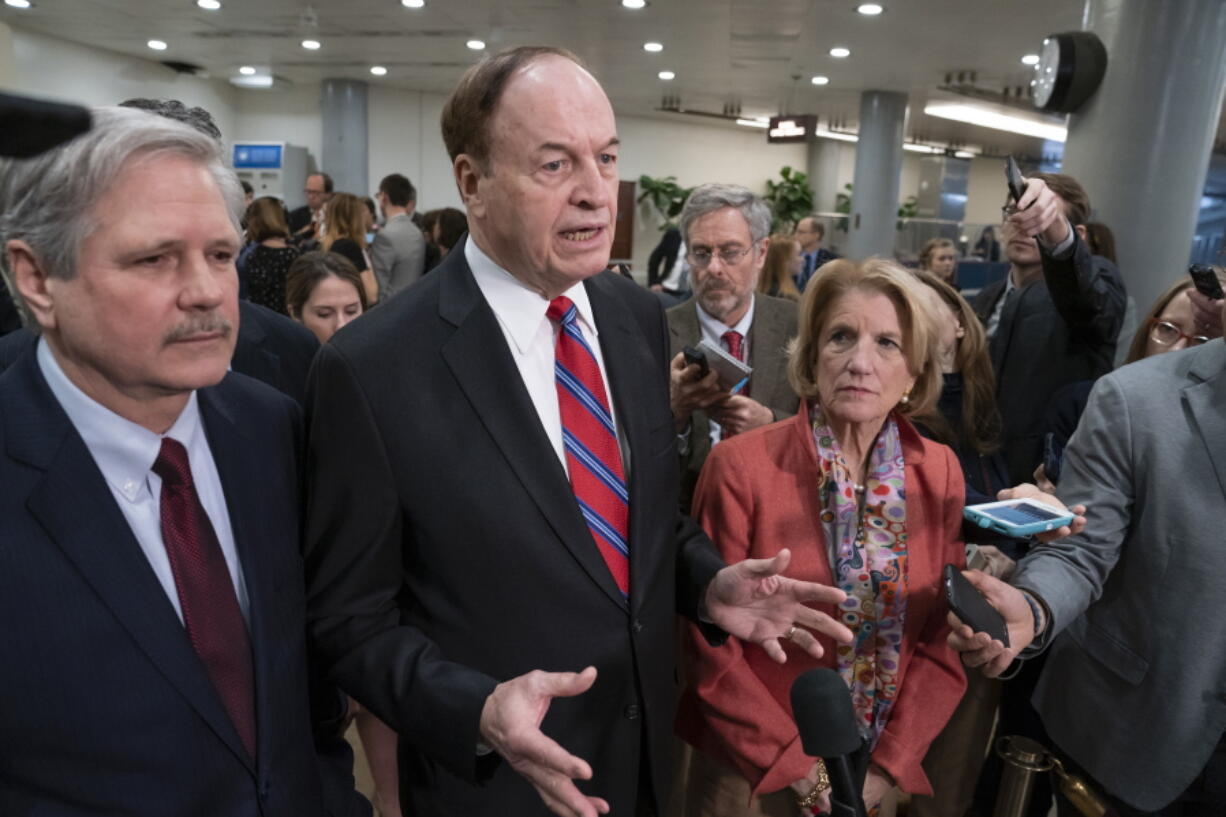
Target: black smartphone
{"points": [[693, 357], [1206, 281], [1053, 457], [1013, 177], [969, 605]]}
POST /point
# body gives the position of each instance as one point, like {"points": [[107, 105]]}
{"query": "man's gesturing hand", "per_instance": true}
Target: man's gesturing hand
{"points": [[511, 726], [754, 602]]}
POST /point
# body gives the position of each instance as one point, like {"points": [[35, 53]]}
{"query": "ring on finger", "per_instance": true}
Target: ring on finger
{"points": [[791, 632]]}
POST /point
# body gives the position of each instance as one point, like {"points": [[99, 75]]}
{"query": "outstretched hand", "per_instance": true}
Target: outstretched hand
{"points": [[1027, 491], [511, 726], [980, 649], [753, 601]]}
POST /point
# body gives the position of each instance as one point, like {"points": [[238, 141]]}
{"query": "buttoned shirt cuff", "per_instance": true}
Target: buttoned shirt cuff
{"points": [[1065, 248], [683, 440]]}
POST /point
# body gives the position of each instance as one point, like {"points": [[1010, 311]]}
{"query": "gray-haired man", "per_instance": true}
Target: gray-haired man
{"points": [[725, 230]]}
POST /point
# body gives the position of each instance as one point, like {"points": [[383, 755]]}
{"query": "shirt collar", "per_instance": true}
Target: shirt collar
{"points": [[716, 328], [519, 308], [124, 451]]}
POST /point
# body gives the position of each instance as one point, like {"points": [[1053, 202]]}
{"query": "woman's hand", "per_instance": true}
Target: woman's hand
{"points": [[876, 784], [805, 786]]}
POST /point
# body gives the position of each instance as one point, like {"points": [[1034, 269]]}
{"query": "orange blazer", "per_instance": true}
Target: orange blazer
{"points": [[757, 494]]}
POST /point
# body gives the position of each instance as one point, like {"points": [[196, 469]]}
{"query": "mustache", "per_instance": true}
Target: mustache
{"points": [[202, 325]]}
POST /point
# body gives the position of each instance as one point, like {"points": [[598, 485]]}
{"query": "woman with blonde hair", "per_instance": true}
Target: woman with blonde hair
{"points": [[940, 257], [784, 261], [865, 504], [345, 230]]}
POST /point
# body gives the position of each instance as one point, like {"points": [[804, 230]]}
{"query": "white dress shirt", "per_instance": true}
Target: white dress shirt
{"points": [[125, 453], [531, 337], [712, 330]]}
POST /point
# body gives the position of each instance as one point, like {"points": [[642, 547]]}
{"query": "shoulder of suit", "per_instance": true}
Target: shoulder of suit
{"points": [[252, 397], [1155, 377]]}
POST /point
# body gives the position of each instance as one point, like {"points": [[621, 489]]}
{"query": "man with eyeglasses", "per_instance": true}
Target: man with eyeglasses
{"points": [[1055, 317], [307, 222], [810, 232], [725, 231], [1128, 611]]}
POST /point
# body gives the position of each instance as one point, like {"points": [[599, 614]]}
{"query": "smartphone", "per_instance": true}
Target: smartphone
{"points": [[969, 605], [1018, 518], [693, 357], [1206, 281], [1053, 457], [1013, 177]]}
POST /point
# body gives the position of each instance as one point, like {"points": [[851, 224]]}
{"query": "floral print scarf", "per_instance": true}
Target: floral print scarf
{"points": [[869, 547]]}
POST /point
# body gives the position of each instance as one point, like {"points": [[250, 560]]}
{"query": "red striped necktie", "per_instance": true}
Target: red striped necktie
{"points": [[211, 615], [593, 457]]}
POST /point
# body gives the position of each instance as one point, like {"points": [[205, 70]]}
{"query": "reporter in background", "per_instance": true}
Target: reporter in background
{"points": [[264, 266], [864, 503], [940, 257], [345, 229], [783, 263], [324, 292], [1134, 691]]}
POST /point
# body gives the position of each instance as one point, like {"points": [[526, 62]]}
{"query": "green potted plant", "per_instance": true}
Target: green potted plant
{"points": [[665, 196], [790, 199]]}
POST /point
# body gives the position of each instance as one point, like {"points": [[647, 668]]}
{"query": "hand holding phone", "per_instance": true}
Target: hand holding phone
{"points": [[1019, 518], [693, 357], [971, 607], [1206, 281], [1013, 178]]}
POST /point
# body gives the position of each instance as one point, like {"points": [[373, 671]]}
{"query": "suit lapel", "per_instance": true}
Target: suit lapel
{"points": [[478, 357], [240, 463], [96, 538], [633, 373], [1206, 402]]}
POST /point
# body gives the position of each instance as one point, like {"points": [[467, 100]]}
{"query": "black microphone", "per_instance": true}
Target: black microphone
{"points": [[821, 704], [29, 127]]}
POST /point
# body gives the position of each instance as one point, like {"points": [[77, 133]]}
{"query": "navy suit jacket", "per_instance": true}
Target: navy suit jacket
{"points": [[109, 710]]}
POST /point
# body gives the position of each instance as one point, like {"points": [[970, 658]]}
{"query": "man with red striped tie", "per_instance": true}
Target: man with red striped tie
{"points": [[495, 554]]}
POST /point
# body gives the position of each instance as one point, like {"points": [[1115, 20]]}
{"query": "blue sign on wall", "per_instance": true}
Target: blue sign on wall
{"points": [[257, 156]]}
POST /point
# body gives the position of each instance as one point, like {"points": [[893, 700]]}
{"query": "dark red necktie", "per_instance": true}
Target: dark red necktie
{"points": [[590, 439], [735, 342], [211, 614]]}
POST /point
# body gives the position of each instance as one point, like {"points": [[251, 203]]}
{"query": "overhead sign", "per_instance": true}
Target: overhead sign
{"points": [[784, 129]]}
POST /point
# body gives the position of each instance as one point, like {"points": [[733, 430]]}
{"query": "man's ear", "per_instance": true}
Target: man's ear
{"points": [[468, 175], [1081, 231], [30, 278]]}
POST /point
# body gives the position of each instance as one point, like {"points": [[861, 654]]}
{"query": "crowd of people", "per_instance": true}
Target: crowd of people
{"points": [[266, 472]]}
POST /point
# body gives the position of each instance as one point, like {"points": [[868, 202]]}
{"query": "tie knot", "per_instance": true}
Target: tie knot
{"points": [[561, 310], [172, 465]]}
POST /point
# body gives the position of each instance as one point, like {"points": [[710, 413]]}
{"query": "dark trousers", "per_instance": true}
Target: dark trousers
{"points": [[1206, 797]]}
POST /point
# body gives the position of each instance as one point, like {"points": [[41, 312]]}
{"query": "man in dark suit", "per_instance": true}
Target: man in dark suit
{"points": [[152, 587], [1054, 319], [727, 230], [810, 232], [494, 552], [306, 222], [667, 271]]}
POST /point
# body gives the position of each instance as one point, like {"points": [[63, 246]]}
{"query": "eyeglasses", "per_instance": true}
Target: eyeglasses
{"points": [[702, 257], [1168, 334]]}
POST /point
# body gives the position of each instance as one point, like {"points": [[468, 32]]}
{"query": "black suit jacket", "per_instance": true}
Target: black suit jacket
{"points": [[663, 256], [1056, 330], [270, 347], [446, 552], [109, 709]]}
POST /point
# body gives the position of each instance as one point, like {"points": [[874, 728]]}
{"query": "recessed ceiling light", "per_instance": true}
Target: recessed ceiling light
{"points": [[840, 52], [654, 48], [156, 45], [476, 45], [413, 4], [247, 71], [18, 4], [870, 9], [311, 45], [666, 75], [209, 5], [378, 70], [1030, 59], [634, 4], [820, 80]]}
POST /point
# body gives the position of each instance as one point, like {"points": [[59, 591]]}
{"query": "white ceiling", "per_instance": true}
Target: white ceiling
{"points": [[744, 52]]}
